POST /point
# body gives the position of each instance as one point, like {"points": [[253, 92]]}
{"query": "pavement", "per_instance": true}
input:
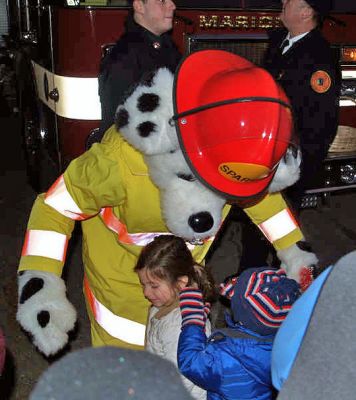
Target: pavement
{"points": [[331, 230], [24, 364]]}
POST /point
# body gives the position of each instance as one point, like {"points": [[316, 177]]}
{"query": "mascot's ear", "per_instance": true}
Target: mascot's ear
{"points": [[287, 171], [143, 118]]}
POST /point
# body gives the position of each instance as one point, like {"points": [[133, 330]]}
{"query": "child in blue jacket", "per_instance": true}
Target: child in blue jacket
{"points": [[235, 363]]}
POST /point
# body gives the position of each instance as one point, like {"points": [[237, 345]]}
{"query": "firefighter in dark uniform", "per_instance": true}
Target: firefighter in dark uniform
{"points": [[301, 60], [144, 47], [303, 63]]}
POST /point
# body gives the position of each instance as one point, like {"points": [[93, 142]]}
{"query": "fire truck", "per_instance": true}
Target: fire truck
{"points": [[60, 45]]}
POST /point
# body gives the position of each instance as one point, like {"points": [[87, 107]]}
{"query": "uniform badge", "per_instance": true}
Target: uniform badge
{"points": [[320, 81]]}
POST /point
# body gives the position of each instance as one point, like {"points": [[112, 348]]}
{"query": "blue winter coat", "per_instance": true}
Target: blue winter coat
{"points": [[227, 367]]}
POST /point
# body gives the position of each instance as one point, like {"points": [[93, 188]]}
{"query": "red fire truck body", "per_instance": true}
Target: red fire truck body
{"points": [[58, 73]]}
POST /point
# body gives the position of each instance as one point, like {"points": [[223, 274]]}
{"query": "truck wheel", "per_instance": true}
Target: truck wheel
{"points": [[41, 169]]}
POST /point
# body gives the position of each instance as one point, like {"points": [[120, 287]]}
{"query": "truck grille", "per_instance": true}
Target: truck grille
{"points": [[251, 47]]}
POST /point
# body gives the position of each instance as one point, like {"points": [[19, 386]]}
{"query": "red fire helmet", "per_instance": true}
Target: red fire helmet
{"points": [[234, 122]]}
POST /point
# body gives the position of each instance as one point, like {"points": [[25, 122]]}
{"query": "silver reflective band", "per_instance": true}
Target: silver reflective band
{"points": [[121, 328], [60, 199], [77, 97], [44, 243], [278, 226]]}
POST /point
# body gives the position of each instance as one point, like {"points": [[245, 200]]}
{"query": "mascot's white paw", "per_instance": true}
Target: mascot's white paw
{"points": [[44, 310], [287, 171], [299, 262]]}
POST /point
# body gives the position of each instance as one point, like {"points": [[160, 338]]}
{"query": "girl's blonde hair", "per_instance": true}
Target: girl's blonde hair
{"points": [[167, 257]]}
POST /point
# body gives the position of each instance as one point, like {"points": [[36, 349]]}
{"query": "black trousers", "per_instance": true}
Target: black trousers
{"points": [[257, 251]]}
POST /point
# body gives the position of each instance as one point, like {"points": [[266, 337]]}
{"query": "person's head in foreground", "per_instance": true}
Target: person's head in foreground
{"points": [[314, 352], [110, 373]]}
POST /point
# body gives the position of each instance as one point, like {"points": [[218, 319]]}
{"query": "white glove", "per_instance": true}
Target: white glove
{"points": [[299, 262], [44, 310]]}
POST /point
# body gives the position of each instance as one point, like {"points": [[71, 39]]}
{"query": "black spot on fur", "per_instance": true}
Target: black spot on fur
{"points": [[305, 246], [121, 118], [186, 177], [148, 102], [43, 318], [146, 128], [172, 151], [33, 286]]}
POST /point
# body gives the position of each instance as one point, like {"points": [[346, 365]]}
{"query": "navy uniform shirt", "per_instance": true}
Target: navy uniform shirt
{"points": [[136, 53], [310, 75]]}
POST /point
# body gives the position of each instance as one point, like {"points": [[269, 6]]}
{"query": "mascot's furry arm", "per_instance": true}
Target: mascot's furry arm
{"points": [[298, 259], [277, 223], [43, 309]]}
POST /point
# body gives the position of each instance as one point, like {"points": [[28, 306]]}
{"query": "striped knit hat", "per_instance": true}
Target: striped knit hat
{"points": [[262, 298]]}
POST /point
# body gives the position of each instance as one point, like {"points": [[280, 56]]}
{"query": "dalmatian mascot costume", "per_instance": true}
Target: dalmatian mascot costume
{"points": [[166, 167]]}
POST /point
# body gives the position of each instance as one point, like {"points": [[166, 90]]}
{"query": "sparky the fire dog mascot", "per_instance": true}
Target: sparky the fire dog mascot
{"points": [[167, 167]]}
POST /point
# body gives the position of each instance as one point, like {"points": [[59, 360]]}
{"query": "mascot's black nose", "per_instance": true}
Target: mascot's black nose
{"points": [[201, 222]]}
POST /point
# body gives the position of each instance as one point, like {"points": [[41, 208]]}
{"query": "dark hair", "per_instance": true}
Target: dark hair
{"points": [[168, 257], [130, 2]]}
